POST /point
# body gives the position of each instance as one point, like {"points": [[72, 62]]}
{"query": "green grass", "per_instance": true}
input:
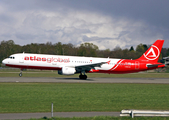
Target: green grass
{"points": [[37, 97]]}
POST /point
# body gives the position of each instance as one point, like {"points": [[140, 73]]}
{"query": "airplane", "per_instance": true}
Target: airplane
{"points": [[70, 65]]}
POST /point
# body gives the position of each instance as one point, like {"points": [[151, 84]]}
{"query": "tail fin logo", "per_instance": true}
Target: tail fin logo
{"points": [[153, 53]]}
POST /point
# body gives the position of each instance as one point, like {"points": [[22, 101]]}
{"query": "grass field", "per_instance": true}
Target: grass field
{"points": [[37, 97]]}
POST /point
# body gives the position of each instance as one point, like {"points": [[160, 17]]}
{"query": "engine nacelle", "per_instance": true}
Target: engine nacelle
{"points": [[67, 71]]}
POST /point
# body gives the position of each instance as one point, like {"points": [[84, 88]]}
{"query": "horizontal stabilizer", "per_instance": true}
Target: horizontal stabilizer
{"points": [[153, 65]]}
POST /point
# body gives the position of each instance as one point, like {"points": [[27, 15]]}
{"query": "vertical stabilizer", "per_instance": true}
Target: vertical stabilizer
{"points": [[153, 53]]}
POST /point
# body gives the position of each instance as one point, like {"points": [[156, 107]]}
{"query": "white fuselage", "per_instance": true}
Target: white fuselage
{"points": [[55, 62]]}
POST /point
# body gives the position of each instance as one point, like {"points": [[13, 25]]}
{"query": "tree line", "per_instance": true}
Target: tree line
{"points": [[86, 49]]}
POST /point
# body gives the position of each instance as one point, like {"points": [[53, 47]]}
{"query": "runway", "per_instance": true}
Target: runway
{"points": [[58, 114], [72, 80], [89, 80]]}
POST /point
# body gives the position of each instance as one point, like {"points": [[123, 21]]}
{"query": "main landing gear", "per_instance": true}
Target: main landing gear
{"points": [[83, 76]]}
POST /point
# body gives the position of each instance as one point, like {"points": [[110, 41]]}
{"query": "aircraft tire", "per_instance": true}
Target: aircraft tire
{"points": [[20, 74], [83, 77], [80, 76]]}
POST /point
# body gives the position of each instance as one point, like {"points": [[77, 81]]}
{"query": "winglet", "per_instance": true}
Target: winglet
{"points": [[108, 62], [153, 53]]}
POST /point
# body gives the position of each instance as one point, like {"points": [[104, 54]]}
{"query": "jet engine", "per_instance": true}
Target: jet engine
{"points": [[67, 71]]}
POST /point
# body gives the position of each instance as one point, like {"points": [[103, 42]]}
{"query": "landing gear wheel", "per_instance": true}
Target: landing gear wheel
{"points": [[80, 76], [20, 74], [83, 77]]}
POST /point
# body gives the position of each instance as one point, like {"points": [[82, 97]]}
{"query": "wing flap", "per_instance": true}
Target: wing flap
{"points": [[88, 67]]}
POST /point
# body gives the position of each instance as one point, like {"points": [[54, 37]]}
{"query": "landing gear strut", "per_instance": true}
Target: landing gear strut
{"points": [[20, 74], [83, 76]]}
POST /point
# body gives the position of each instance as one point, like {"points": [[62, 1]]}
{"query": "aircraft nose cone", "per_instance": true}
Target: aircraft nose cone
{"points": [[4, 62]]}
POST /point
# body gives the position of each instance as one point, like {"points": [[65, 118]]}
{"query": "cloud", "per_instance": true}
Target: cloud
{"points": [[53, 21]]}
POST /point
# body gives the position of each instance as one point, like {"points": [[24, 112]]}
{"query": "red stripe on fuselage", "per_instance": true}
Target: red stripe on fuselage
{"points": [[116, 65]]}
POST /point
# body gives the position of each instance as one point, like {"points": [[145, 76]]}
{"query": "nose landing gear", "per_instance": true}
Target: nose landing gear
{"points": [[20, 74]]}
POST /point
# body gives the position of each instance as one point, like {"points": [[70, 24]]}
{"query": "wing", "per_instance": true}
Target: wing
{"points": [[88, 67]]}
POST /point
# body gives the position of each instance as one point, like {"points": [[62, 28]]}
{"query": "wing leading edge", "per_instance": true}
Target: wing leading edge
{"points": [[88, 67]]}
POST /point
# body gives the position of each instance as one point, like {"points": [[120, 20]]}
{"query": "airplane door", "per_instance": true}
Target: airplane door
{"points": [[137, 65], [21, 59]]}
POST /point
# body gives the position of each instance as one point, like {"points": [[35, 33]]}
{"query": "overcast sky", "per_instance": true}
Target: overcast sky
{"points": [[106, 23]]}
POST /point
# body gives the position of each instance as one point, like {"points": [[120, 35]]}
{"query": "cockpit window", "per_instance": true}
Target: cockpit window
{"points": [[10, 57]]}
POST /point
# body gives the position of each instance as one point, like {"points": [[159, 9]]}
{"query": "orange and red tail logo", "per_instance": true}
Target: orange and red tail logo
{"points": [[153, 53]]}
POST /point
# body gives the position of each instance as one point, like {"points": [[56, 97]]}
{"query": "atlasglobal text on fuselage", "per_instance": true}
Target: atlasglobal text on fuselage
{"points": [[46, 59], [70, 65]]}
